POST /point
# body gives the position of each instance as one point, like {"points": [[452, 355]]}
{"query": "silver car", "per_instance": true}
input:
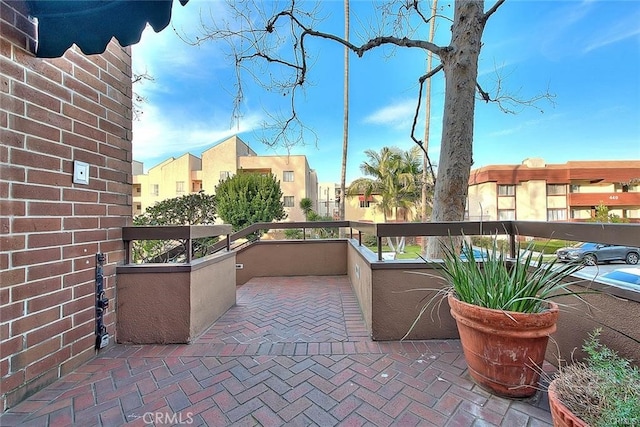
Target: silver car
{"points": [[593, 253]]}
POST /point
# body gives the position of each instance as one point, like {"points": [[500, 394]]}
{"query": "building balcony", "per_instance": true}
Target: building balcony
{"points": [[609, 199], [313, 335]]}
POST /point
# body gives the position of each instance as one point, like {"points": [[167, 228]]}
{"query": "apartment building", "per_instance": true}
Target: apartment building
{"points": [[188, 174], [537, 191], [327, 203]]}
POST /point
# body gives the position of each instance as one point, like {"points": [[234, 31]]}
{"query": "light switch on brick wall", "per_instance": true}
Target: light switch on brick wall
{"points": [[80, 172]]}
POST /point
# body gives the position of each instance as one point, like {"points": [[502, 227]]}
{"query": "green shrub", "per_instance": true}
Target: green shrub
{"points": [[370, 241], [604, 389], [293, 234]]}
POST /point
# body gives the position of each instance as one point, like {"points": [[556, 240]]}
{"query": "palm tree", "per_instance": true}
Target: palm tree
{"points": [[395, 177], [427, 179], [307, 207], [345, 127]]}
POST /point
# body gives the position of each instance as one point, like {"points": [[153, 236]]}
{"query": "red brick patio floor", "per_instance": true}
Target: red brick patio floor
{"points": [[293, 351]]}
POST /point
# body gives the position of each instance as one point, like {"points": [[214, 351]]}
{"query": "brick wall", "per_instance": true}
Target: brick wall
{"points": [[53, 112]]}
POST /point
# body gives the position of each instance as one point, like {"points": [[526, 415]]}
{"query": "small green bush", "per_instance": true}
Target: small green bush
{"points": [[488, 242], [293, 234], [369, 240], [603, 390]]}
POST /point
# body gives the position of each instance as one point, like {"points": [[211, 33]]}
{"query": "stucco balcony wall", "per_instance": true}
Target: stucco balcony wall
{"points": [[173, 303], [291, 258]]}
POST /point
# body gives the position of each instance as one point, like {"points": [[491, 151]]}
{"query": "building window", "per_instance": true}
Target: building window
{"points": [[556, 189], [179, 187], [574, 188], [224, 175], [289, 201], [556, 214], [287, 176], [506, 214], [137, 188], [365, 203], [155, 189], [506, 190], [138, 207], [580, 213]]}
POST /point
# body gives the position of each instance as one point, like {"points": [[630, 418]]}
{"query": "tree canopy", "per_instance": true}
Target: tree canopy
{"points": [[602, 214], [247, 198], [191, 209]]}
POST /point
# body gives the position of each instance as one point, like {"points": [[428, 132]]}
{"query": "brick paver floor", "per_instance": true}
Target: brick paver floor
{"points": [[293, 351]]}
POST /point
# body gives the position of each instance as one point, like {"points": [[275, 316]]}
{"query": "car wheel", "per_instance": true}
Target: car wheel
{"points": [[590, 259], [632, 258]]}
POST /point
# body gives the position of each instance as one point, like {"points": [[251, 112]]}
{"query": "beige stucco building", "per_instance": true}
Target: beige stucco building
{"points": [[537, 191], [359, 208], [188, 174]]}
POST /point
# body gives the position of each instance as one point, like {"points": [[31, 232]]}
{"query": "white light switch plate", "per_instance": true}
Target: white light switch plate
{"points": [[80, 172]]}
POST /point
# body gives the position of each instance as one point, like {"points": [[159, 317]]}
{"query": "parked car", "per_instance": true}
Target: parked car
{"points": [[623, 277], [593, 253]]}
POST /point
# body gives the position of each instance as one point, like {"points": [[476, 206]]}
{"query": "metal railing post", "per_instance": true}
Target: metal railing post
{"points": [[512, 245]]}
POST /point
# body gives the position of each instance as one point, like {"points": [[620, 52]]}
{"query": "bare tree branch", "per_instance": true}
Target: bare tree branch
{"points": [[138, 99], [278, 39], [420, 143], [492, 10], [257, 48], [512, 103]]}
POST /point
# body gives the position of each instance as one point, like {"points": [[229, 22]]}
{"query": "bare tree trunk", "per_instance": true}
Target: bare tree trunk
{"points": [[345, 134], [425, 163], [461, 70]]}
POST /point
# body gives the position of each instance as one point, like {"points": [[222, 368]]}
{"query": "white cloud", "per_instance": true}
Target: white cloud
{"points": [[624, 29], [156, 136], [397, 115], [525, 125], [168, 54], [558, 35]]}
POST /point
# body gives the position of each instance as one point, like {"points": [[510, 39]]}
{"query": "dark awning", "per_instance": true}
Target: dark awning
{"points": [[91, 24]]}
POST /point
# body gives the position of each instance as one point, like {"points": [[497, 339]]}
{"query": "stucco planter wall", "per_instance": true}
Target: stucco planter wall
{"points": [[173, 304], [390, 296]]}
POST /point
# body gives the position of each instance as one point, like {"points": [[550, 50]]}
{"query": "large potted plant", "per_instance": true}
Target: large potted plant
{"points": [[602, 390], [504, 313]]}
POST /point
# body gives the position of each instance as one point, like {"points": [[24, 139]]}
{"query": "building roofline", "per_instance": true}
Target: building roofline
{"points": [[595, 171]]}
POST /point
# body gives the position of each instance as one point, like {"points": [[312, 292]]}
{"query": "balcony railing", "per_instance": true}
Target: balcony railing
{"points": [[186, 293], [178, 232], [620, 234]]}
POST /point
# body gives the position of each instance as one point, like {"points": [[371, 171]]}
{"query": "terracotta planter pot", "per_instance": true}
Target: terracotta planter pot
{"points": [[503, 349], [560, 414]]}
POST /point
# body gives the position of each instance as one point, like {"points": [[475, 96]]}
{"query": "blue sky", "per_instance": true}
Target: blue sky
{"points": [[586, 53]]}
